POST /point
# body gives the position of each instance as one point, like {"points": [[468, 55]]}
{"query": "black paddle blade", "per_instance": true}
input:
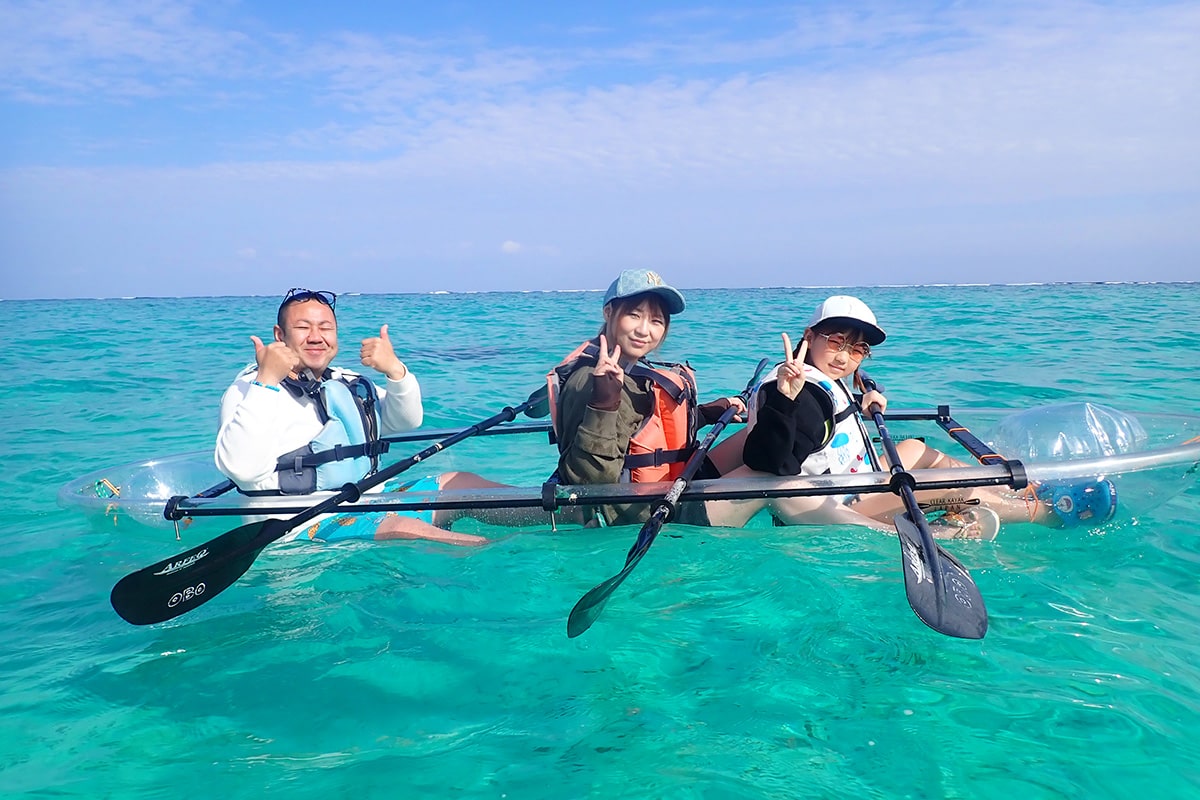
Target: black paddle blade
{"points": [[538, 404], [588, 609], [591, 604], [185, 581], [955, 607]]}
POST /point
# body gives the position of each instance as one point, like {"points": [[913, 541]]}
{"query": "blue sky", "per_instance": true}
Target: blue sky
{"points": [[224, 147]]}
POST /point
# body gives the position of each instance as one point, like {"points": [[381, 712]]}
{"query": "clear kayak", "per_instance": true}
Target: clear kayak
{"points": [[1148, 457]]}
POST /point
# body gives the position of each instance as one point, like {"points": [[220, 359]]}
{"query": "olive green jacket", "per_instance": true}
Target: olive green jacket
{"points": [[592, 443]]}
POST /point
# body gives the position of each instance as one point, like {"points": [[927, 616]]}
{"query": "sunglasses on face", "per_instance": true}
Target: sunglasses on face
{"points": [[301, 295], [841, 343]]}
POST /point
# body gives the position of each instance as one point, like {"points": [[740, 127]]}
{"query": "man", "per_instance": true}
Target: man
{"points": [[290, 423]]}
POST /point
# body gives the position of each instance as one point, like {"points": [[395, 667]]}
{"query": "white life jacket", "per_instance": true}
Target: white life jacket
{"points": [[846, 450]]}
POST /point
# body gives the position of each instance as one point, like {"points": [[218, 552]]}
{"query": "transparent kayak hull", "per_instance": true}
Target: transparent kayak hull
{"points": [[1159, 458]]}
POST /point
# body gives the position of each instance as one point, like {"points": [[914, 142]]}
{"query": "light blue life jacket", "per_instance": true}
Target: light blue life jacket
{"points": [[347, 448]]}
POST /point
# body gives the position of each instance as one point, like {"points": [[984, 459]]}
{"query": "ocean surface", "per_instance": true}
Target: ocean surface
{"points": [[758, 663]]}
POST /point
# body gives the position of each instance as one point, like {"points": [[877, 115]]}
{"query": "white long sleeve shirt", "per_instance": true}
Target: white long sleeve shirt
{"points": [[259, 424]]}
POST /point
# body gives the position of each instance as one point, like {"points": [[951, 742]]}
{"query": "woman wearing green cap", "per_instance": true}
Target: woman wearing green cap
{"points": [[619, 416]]}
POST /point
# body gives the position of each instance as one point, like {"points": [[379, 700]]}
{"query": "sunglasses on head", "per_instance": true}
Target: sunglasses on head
{"points": [[301, 295]]}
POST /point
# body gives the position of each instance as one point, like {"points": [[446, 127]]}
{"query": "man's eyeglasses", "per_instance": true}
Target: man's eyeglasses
{"points": [[841, 343], [301, 295]]}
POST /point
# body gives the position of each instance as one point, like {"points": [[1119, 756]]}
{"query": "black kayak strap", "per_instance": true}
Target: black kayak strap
{"points": [[339, 452], [676, 392], [657, 458]]}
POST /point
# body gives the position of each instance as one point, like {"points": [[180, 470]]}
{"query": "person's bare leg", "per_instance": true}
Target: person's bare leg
{"points": [[726, 455], [915, 454], [735, 513], [823, 510], [396, 526], [790, 510], [467, 480]]}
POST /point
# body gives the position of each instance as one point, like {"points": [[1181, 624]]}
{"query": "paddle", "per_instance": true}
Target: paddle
{"points": [[182, 582], [591, 604], [172, 510], [939, 588]]}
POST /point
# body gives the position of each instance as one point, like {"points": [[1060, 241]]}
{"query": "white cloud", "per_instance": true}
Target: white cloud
{"points": [[850, 138], [76, 51]]}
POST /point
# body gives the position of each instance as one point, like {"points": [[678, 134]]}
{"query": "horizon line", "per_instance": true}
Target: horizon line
{"points": [[579, 291]]}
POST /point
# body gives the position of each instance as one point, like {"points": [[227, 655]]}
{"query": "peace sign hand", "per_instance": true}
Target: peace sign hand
{"points": [[607, 378], [790, 378], [609, 363]]}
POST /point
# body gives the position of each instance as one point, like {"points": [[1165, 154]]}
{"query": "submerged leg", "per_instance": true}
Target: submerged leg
{"points": [[789, 510], [396, 526], [1009, 505], [380, 526], [507, 517], [735, 513]]}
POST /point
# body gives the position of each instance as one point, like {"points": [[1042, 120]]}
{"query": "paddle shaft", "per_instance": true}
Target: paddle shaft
{"points": [[902, 484], [588, 609], [353, 491], [664, 510], [958, 608]]}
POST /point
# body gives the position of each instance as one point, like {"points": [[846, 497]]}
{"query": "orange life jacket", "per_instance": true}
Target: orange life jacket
{"points": [[661, 445]]}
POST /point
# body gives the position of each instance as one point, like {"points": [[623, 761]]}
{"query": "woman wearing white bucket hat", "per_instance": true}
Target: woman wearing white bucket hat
{"points": [[819, 431]]}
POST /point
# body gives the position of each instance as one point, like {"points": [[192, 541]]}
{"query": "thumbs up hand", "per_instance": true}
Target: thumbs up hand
{"points": [[275, 361], [377, 352]]}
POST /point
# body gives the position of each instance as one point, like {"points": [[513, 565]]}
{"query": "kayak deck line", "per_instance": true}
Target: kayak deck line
{"points": [[567, 495], [556, 496]]}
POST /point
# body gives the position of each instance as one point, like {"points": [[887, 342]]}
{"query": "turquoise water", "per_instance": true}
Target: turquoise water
{"points": [[772, 663]]}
